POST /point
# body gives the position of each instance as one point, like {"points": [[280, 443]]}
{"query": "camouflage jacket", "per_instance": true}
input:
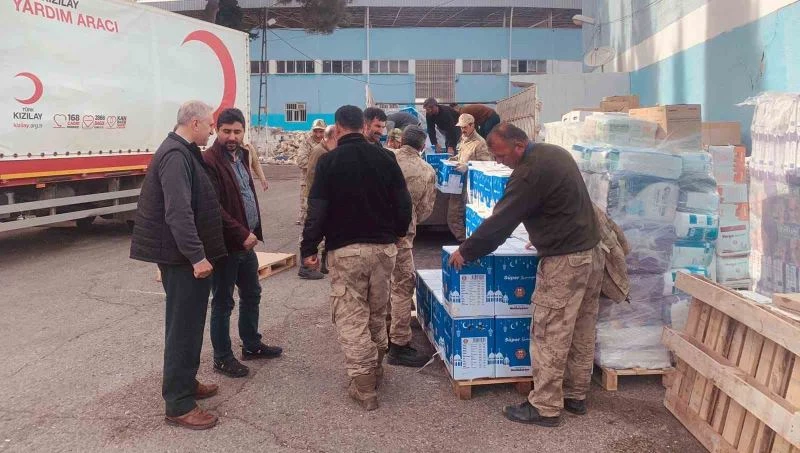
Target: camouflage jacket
{"points": [[304, 151], [472, 147], [421, 182]]}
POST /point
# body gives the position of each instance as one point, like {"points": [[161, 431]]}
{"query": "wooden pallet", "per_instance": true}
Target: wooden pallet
{"points": [[607, 378], [736, 386], [463, 389], [270, 264]]}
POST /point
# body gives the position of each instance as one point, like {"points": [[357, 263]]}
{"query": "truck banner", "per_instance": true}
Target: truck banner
{"points": [[108, 75]]}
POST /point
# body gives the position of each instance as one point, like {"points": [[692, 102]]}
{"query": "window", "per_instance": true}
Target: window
{"points": [[388, 67], [258, 67], [528, 66], [296, 112], [482, 66], [436, 79], [342, 67], [295, 66]]}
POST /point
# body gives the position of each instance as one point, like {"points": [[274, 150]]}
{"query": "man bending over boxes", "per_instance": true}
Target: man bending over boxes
{"points": [[547, 194]]}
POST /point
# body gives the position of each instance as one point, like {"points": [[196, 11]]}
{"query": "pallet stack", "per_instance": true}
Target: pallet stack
{"points": [[737, 381]]}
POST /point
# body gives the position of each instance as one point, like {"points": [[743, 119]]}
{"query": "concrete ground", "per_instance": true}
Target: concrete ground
{"points": [[82, 337]]}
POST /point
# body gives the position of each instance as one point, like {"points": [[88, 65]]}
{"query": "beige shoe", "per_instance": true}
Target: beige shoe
{"points": [[362, 389]]}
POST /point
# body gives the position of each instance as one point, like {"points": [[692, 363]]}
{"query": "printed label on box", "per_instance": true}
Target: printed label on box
{"points": [[473, 289]]}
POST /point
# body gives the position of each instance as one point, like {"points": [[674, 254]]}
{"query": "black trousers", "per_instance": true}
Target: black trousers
{"points": [[186, 307]]}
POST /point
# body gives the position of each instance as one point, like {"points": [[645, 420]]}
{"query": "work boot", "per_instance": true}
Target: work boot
{"points": [[309, 274], [577, 407], [231, 367], [406, 356], [526, 413], [362, 389], [194, 419], [379, 369], [324, 266]]}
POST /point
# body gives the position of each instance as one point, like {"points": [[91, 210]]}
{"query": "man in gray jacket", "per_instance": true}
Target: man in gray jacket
{"points": [[178, 225]]}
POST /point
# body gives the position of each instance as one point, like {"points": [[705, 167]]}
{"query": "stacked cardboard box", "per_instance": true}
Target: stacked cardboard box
{"points": [[479, 318], [619, 103], [679, 124], [733, 245]]}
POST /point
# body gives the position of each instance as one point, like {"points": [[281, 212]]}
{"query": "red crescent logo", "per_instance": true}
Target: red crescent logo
{"points": [[225, 60], [38, 89]]}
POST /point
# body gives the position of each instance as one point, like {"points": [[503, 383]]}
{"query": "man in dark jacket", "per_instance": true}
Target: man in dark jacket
{"points": [[178, 225], [360, 204], [445, 118], [228, 165]]}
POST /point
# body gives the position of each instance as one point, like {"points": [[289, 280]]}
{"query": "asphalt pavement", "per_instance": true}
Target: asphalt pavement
{"points": [[82, 344]]}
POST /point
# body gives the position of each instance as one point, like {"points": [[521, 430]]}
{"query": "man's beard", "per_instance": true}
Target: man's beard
{"points": [[232, 145]]}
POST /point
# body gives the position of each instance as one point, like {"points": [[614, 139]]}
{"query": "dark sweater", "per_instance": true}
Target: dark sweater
{"points": [[359, 196], [547, 194], [446, 121], [178, 220]]}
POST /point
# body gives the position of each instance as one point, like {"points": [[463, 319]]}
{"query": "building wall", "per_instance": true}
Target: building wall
{"points": [[324, 93], [716, 53]]}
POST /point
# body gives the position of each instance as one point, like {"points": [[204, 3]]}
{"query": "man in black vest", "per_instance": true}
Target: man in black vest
{"points": [[179, 226]]}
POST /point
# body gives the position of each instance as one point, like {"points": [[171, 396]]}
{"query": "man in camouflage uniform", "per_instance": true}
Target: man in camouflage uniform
{"points": [[421, 182], [547, 194], [360, 205], [313, 139], [471, 147], [328, 143]]}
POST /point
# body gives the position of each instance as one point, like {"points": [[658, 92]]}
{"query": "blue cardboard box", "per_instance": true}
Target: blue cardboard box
{"points": [[466, 292], [435, 159], [467, 344], [498, 188], [514, 278], [449, 180], [474, 176], [428, 282], [511, 355], [438, 313]]}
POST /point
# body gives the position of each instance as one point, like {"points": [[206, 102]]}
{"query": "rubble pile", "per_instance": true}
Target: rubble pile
{"points": [[276, 146]]}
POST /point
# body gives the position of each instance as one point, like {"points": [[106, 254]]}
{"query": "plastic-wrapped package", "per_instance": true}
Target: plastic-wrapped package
{"points": [[634, 161], [651, 246], [634, 197], [672, 274], [631, 347], [687, 253], [677, 313], [563, 134], [619, 129], [698, 227], [706, 202]]}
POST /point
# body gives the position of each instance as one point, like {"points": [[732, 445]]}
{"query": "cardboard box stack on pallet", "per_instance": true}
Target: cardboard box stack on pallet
{"points": [[648, 171], [479, 318], [775, 193]]}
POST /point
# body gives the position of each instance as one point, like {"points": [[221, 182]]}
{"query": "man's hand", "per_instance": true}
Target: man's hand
{"points": [[311, 262], [461, 168], [438, 148], [203, 269], [529, 246], [250, 242], [451, 151], [264, 184], [456, 260]]}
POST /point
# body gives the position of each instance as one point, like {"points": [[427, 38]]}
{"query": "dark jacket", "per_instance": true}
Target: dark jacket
{"points": [[546, 193], [446, 121], [359, 196], [234, 218], [178, 220]]}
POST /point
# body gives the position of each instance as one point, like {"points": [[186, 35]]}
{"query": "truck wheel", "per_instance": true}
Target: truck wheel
{"points": [[84, 223]]}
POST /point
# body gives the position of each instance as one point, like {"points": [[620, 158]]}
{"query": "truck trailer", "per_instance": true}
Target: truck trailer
{"points": [[90, 89]]}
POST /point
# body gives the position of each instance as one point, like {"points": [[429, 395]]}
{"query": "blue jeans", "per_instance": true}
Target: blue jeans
{"points": [[237, 269]]}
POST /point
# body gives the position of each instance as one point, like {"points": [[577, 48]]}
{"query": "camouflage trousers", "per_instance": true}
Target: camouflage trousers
{"points": [[563, 329], [402, 303], [361, 276], [456, 210], [303, 196]]}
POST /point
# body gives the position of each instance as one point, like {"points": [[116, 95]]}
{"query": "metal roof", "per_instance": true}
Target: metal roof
{"points": [[387, 17]]}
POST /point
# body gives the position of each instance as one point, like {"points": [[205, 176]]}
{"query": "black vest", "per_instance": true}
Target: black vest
{"points": [[152, 239]]}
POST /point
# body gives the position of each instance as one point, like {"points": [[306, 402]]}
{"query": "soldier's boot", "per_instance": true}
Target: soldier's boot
{"points": [[406, 356], [379, 370], [324, 261], [362, 389]]}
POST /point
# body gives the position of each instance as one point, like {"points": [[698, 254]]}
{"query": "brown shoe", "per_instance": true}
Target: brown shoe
{"points": [[203, 391], [362, 389], [196, 418]]}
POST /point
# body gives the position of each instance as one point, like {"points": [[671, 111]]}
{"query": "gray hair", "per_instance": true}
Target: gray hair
{"points": [[193, 110], [414, 136], [329, 132]]}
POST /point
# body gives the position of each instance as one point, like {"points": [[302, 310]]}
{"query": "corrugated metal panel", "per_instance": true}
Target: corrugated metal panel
{"points": [[190, 5]]}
